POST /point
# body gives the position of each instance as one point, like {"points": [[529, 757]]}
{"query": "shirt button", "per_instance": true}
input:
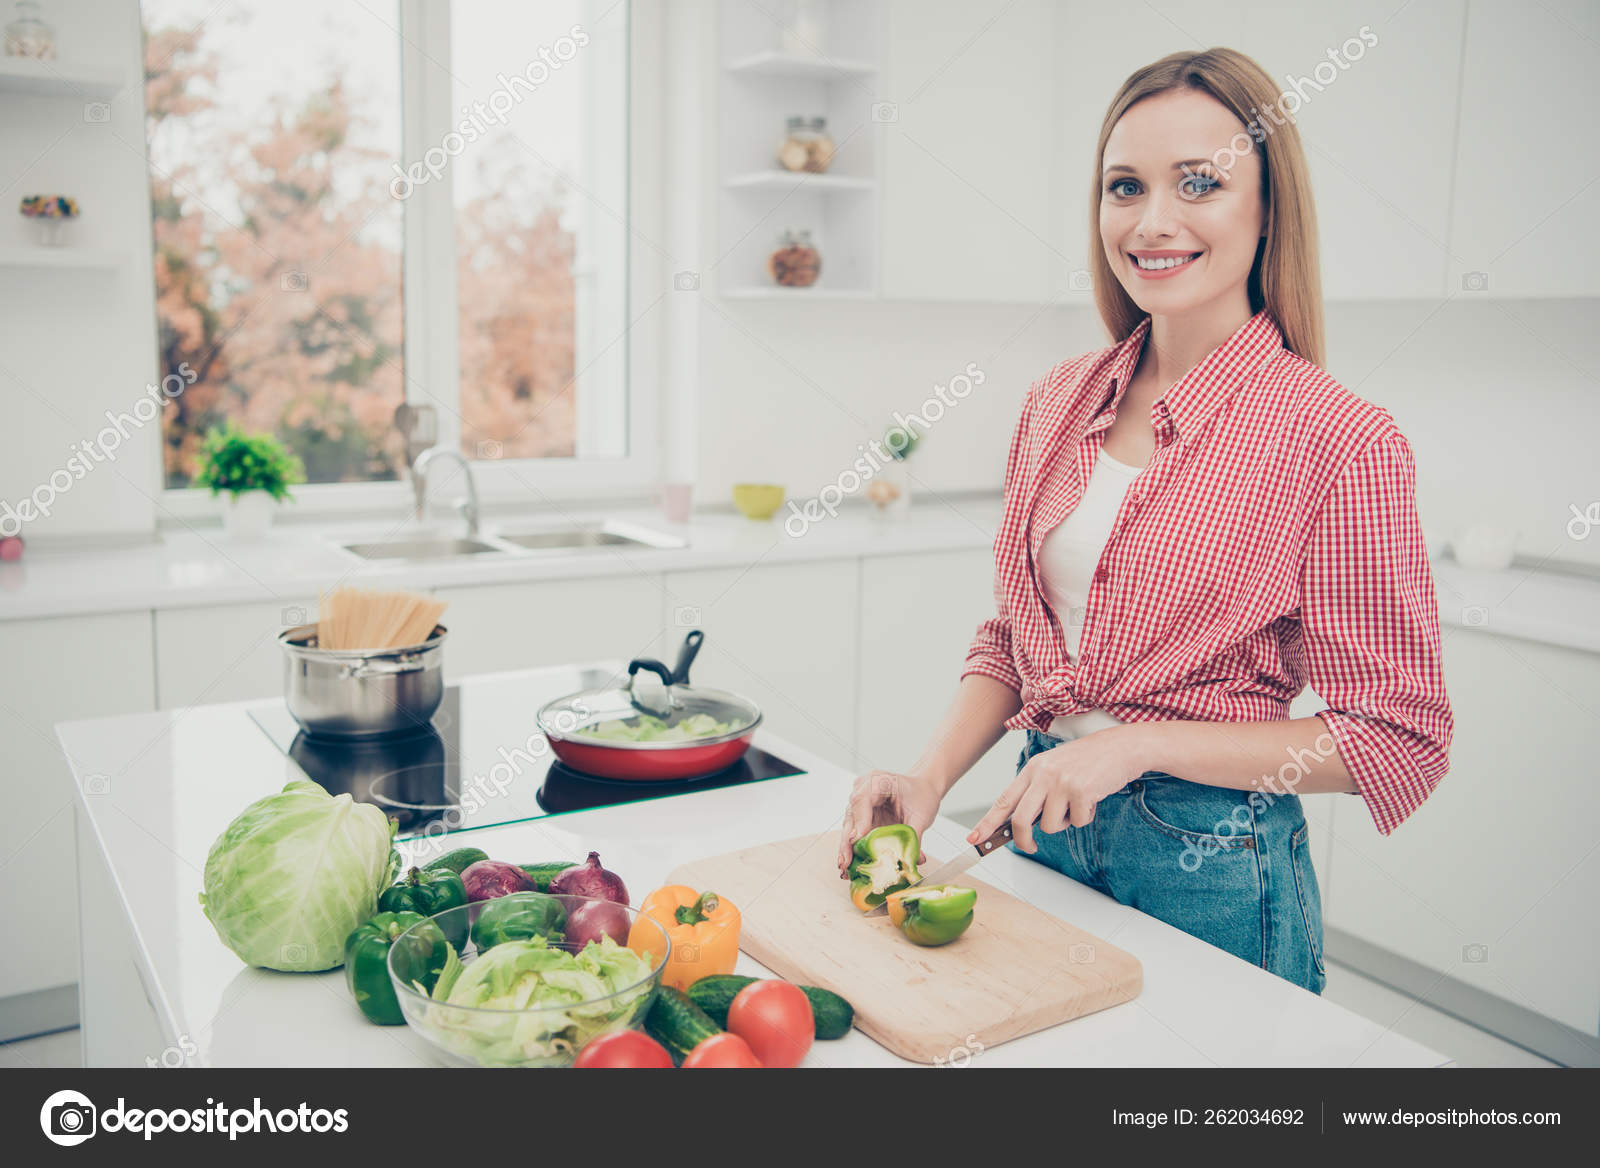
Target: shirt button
{"points": [[1101, 575], [1166, 437]]}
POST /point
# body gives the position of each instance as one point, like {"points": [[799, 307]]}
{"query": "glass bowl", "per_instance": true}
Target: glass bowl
{"points": [[574, 1006]]}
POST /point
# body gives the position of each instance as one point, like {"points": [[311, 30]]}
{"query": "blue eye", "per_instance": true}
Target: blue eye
{"points": [[1122, 182], [1195, 185]]}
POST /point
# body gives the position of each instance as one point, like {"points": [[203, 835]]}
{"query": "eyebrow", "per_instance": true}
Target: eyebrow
{"points": [[1187, 162]]}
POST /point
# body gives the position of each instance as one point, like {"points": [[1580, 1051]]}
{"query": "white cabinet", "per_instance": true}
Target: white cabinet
{"points": [[1525, 191], [783, 635], [989, 165], [918, 615], [972, 207], [1494, 880], [57, 670], [224, 653], [551, 622]]}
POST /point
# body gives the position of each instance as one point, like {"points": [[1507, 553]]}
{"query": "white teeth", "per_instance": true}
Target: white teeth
{"points": [[1157, 265]]}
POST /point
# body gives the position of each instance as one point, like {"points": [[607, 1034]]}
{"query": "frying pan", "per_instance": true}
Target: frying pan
{"points": [[563, 721]]}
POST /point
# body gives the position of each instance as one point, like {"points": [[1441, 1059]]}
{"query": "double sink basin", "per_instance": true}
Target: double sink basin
{"points": [[611, 533]]}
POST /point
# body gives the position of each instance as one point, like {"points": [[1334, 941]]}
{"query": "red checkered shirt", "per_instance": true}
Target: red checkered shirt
{"points": [[1271, 541]]}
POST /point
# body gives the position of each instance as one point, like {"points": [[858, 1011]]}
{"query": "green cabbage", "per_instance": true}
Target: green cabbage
{"points": [[566, 1000], [292, 877], [649, 728]]}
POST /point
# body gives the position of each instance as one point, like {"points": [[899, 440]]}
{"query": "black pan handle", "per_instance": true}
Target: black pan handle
{"points": [[686, 656], [651, 666]]}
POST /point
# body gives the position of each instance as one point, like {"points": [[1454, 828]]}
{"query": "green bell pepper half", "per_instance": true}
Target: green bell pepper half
{"points": [[934, 915], [430, 891], [366, 962], [885, 861]]}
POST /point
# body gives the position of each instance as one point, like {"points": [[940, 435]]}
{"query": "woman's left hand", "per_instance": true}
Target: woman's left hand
{"points": [[1064, 785]]}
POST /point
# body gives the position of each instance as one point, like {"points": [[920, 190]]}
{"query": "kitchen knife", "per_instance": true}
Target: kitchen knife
{"points": [[963, 860]]}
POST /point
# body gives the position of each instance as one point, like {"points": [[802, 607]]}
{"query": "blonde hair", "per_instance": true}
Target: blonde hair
{"points": [[1285, 278]]}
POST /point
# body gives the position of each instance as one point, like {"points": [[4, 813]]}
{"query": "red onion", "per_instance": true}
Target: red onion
{"points": [[595, 919], [488, 879], [589, 879]]}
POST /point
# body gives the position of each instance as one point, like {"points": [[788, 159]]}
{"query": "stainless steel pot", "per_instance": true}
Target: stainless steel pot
{"points": [[351, 693]]}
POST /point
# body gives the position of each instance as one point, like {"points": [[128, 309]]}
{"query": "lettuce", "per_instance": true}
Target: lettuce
{"points": [[648, 728], [550, 1002], [289, 879]]}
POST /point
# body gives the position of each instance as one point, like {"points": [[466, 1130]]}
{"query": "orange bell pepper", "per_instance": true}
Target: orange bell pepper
{"points": [[703, 928]]}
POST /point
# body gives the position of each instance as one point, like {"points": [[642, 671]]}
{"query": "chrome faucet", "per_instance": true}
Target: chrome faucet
{"points": [[419, 484]]}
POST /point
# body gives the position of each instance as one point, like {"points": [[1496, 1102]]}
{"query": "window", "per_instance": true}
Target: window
{"points": [[361, 204]]}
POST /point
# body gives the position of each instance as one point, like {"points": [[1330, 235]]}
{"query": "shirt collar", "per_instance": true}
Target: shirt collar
{"points": [[1198, 394]]}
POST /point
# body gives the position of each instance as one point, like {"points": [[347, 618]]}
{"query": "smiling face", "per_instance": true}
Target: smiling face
{"points": [[1179, 230]]}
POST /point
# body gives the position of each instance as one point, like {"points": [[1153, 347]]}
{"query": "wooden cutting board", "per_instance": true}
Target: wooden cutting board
{"points": [[1017, 970]]}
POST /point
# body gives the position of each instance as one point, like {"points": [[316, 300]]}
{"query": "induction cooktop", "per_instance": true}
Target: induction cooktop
{"points": [[481, 761]]}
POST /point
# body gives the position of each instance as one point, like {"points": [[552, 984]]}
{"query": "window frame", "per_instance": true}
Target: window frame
{"points": [[428, 264]]}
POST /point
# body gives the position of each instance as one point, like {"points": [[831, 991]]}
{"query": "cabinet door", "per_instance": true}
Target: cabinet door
{"points": [[59, 670], [1494, 880], [1525, 191], [552, 622], [224, 653], [970, 193], [783, 635], [918, 615]]}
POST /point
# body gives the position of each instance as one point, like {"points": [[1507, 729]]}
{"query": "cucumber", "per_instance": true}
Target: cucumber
{"points": [[678, 1024], [831, 1013], [547, 871], [459, 860]]}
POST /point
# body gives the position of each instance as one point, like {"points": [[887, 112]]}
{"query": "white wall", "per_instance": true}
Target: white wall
{"points": [[76, 343], [1496, 396]]}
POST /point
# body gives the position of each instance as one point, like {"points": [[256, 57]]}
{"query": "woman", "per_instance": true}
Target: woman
{"points": [[1198, 521]]}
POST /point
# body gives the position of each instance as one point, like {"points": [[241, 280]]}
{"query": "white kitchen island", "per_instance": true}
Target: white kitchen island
{"points": [[159, 988]]}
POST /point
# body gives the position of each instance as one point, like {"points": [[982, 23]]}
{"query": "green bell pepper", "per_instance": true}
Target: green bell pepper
{"points": [[933, 915], [885, 861], [366, 962], [429, 891], [519, 916]]}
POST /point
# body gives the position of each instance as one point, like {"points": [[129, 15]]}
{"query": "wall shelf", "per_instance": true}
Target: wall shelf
{"points": [[24, 256], [776, 64], [783, 180], [57, 79]]}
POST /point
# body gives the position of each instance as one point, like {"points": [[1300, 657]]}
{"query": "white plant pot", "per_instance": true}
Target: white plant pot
{"points": [[248, 516], [890, 490]]}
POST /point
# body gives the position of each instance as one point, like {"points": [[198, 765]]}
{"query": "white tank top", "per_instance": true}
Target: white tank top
{"points": [[1066, 564]]}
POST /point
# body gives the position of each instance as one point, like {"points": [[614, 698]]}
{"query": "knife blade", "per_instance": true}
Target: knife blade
{"points": [[954, 867]]}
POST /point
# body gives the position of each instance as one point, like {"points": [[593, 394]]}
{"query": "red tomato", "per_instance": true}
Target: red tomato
{"points": [[624, 1048], [775, 1018], [725, 1050]]}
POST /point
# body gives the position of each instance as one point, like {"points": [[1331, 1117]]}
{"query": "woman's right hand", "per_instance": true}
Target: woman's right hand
{"points": [[882, 797]]}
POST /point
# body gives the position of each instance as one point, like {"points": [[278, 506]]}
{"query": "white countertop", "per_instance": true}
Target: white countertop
{"points": [[199, 566], [165, 784]]}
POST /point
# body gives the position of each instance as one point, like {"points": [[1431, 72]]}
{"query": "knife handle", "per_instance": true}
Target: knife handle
{"points": [[1001, 836]]}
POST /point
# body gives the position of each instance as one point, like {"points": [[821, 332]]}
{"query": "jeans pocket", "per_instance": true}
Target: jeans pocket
{"points": [[1305, 884], [1203, 813]]}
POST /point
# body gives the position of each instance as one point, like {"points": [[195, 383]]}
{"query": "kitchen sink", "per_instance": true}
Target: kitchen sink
{"points": [[582, 537], [420, 549]]}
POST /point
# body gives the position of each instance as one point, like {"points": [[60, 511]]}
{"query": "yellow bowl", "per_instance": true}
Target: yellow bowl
{"points": [[757, 500]]}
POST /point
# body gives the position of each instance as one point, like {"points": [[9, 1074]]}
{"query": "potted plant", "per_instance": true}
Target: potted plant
{"points": [[255, 470], [890, 488], [49, 215]]}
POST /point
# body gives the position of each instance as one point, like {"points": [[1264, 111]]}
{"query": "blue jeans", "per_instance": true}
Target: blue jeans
{"points": [[1232, 868]]}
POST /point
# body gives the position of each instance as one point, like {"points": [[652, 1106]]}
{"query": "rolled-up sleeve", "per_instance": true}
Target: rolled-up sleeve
{"points": [[990, 651], [1371, 627]]}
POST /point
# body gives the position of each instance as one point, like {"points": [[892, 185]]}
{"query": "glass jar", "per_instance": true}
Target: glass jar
{"points": [[806, 146], [796, 263], [29, 36]]}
